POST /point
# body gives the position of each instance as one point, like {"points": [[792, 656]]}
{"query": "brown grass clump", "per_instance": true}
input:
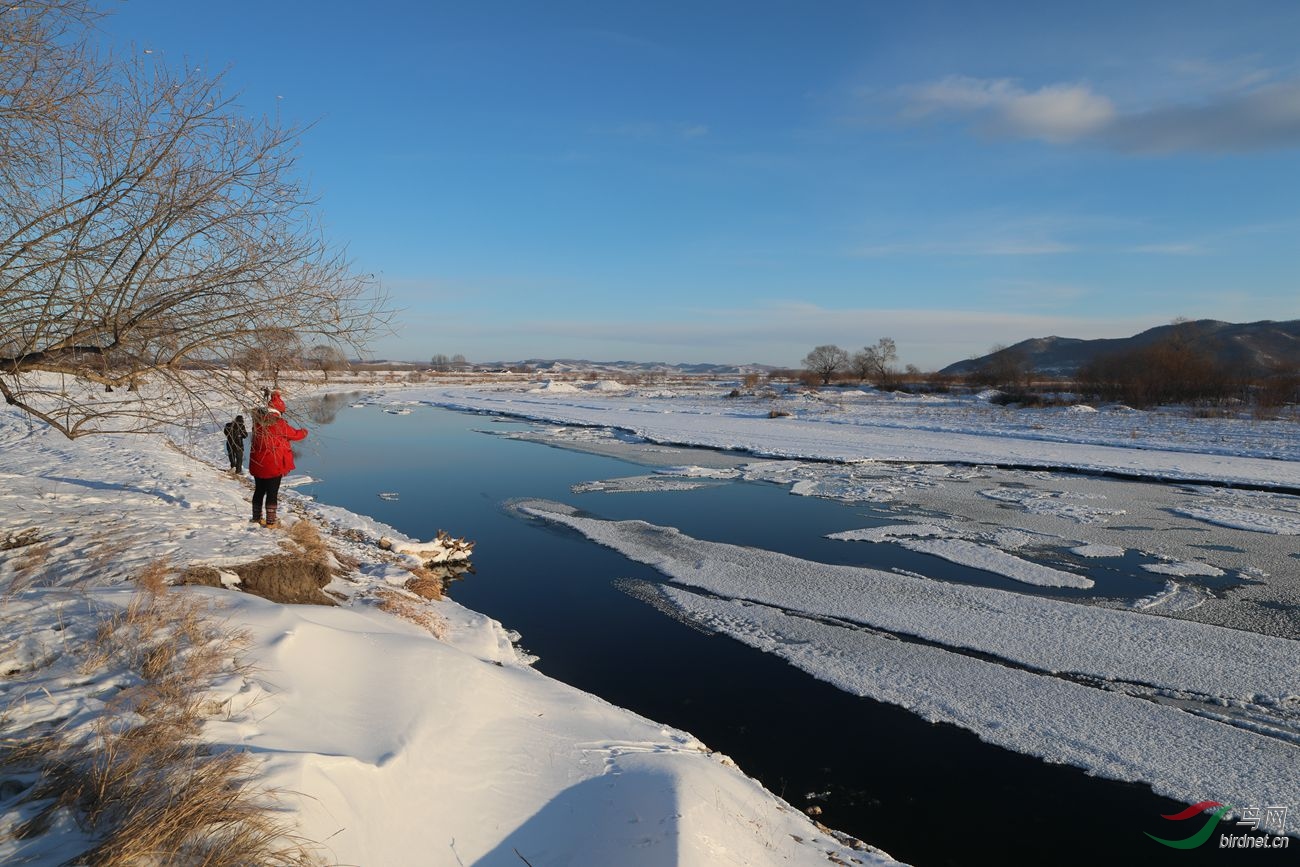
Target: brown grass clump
{"points": [[424, 583], [284, 578], [412, 610], [140, 782], [153, 577], [295, 577], [309, 540], [20, 539]]}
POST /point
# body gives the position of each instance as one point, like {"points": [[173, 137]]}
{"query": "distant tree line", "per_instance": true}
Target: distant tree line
{"points": [[873, 364], [1177, 369]]}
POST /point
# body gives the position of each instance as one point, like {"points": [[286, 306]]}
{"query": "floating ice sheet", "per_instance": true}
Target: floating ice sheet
{"points": [[1043, 634], [1111, 733]]}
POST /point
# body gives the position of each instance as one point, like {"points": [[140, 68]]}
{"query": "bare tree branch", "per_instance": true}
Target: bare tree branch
{"points": [[148, 227]]}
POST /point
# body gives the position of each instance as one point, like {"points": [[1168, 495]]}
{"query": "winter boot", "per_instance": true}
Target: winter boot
{"points": [[270, 517]]}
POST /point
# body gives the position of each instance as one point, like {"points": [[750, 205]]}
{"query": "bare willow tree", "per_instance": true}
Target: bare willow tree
{"points": [[327, 359], [876, 363], [150, 233], [826, 361]]}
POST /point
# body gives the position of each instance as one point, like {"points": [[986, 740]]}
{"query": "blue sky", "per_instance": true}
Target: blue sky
{"points": [[739, 181]]}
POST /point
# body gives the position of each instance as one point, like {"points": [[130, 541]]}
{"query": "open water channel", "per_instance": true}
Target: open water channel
{"points": [[928, 794]]}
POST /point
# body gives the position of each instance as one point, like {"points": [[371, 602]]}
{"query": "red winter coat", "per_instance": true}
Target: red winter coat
{"points": [[270, 455]]}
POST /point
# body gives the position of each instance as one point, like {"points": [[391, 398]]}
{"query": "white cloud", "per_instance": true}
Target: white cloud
{"points": [[1054, 113], [1057, 113], [1250, 114]]}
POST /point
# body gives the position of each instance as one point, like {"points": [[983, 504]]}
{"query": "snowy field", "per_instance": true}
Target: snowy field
{"points": [[1191, 521], [425, 738]]}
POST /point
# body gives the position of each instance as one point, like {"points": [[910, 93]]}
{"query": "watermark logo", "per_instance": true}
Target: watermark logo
{"points": [[1198, 838], [1255, 818]]}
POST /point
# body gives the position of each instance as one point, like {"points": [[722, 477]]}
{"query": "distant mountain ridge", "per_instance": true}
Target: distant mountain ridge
{"points": [[1251, 347]]}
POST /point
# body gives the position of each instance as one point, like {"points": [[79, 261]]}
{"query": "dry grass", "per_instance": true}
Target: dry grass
{"points": [[20, 539], [107, 547], [309, 541], [285, 578], [415, 611], [27, 565], [295, 577], [140, 781], [424, 583]]}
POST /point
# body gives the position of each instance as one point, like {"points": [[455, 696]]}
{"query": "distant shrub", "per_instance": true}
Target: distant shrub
{"points": [[1176, 369]]}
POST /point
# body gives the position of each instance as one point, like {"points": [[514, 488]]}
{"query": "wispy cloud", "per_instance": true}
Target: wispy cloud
{"points": [[1251, 114], [1264, 118], [1054, 113]]}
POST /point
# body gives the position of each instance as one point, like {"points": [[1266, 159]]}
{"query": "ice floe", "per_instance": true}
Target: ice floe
{"points": [[1120, 692], [1065, 504], [1097, 551], [1281, 524], [997, 561], [641, 485], [1046, 634], [1135, 735], [942, 541], [1174, 596], [890, 532], [1186, 568]]}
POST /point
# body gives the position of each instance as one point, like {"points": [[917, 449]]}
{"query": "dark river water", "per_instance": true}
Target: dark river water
{"points": [[928, 794]]}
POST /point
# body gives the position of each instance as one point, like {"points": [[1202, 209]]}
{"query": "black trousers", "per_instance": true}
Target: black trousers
{"points": [[236, 454], [268, 490]]}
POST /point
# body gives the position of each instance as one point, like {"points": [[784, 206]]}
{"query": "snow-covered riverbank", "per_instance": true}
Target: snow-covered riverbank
{"points": [[391, 742]]}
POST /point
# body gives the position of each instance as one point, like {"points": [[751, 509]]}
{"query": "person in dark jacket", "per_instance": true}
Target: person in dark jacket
{"points": [[236, 433], [271, 458]]}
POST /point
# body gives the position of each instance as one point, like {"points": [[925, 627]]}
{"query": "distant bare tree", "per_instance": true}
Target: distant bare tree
{"points": [[147, 228], [327, 359], [826, 361], [875, 363], [440, 362]]}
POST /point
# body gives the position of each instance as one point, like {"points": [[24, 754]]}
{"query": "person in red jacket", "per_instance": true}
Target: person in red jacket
{"points": [[270, 458]]}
